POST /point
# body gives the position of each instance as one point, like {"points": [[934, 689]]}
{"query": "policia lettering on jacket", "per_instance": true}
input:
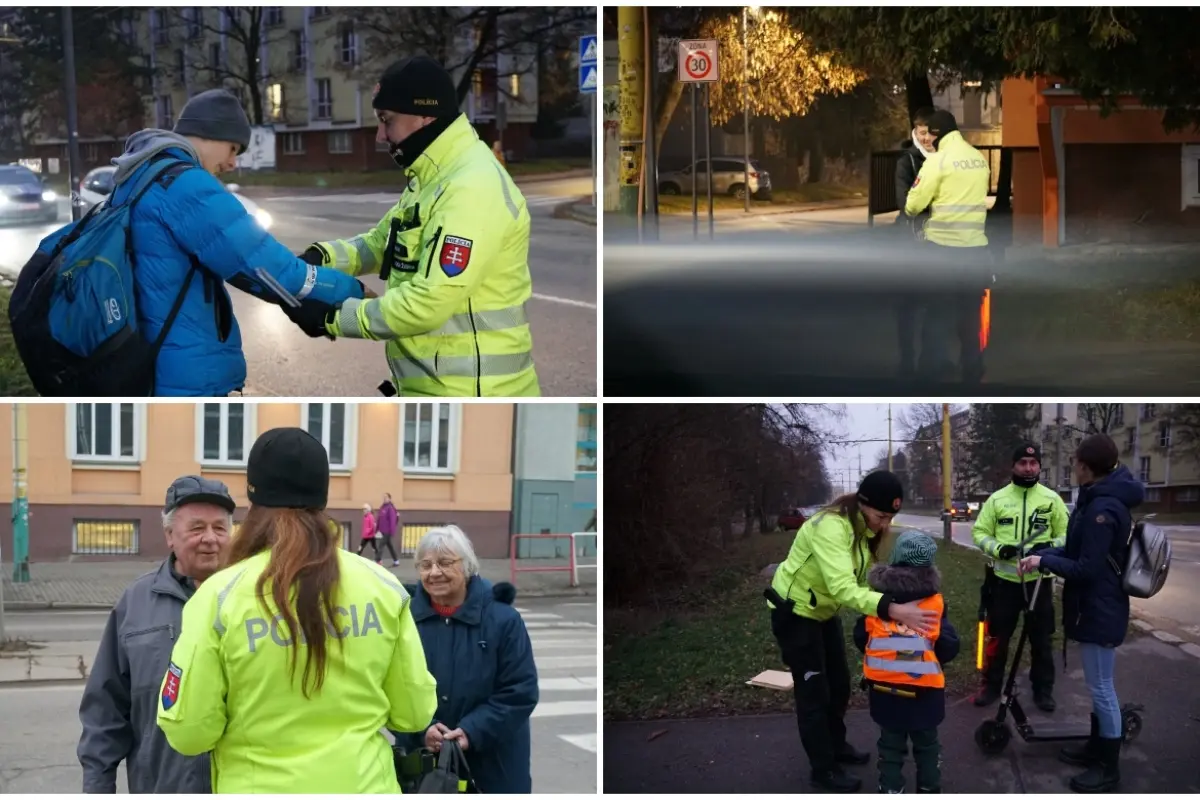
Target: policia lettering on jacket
{"points": [[454, 253]]}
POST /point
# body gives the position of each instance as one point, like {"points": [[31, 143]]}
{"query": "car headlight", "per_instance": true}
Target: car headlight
{"points": [[264, 219], [49, 196]]}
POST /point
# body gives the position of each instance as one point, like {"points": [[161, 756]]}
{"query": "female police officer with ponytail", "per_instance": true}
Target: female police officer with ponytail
{"points": [[824, 571], [292, 659]]}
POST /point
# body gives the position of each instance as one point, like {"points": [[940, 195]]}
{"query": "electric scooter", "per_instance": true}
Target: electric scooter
{"points": [[993, 735]]}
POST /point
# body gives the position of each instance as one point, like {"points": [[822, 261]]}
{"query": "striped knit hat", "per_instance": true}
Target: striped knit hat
{"points": [[913, 549]]}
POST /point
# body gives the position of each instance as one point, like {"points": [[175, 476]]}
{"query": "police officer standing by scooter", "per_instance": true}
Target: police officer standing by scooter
{"points": [[454, 253], [1021, 519]]}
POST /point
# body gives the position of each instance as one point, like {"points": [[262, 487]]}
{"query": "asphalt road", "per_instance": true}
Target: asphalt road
{"points": [[40, 724], [1175, 609], [281, 361]]}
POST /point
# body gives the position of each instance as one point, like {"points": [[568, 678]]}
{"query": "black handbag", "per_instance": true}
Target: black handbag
{"points": [[451, 775]]}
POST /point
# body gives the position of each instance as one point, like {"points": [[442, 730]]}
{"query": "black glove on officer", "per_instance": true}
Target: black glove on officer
{"points": [[311, 317], [1006, 552]]}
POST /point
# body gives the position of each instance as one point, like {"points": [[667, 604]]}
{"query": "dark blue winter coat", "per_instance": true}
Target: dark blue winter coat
{"points": [[927, 709], [195, 214], [487, 683], [1095, 607]]}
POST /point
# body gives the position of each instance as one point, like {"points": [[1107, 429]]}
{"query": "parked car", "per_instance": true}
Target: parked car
{"points": [[24, 198], [729, 177], [97, 185], [791, 519]]}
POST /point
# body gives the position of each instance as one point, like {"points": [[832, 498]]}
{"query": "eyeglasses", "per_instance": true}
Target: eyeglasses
{"points": [[444, 564]]}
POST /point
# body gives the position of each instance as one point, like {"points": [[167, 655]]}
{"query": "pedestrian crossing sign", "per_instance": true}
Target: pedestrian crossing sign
{"points": [[587, 79]]}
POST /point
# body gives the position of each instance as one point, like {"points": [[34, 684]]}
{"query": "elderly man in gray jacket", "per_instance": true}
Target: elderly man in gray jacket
{"points": [[119, 710]]}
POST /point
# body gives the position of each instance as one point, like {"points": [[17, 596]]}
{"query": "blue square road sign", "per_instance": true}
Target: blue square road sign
{"points": [[588, 67]]}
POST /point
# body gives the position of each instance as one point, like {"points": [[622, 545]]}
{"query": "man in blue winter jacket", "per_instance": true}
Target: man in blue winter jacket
{"points": [[191, 215]]}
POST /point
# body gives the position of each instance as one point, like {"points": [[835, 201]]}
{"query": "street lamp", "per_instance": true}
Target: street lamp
{"points": [[68, 34], [746, 11]]}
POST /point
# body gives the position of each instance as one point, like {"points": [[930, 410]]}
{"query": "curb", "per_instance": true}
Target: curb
{"points": [[43, 682], [796, 208], [1165, 637], [571, 210], [27, 605]]}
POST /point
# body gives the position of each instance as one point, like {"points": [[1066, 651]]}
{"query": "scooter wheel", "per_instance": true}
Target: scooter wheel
{"points": [[992, 737], [1132, 724]]}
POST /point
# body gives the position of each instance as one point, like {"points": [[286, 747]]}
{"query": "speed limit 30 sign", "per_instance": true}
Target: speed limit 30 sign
{"points": [[698, 62]]}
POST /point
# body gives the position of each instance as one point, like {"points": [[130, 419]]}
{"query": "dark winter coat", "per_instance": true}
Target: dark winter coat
{"points": [[928, 708], [1095, 607], [487, 682], [908, 166]]}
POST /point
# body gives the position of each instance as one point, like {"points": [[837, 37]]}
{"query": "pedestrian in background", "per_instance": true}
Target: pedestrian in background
{"points": [[388, 523], [118, 711], [280, 718], [479, 651], [370, 534], [907, 698]]}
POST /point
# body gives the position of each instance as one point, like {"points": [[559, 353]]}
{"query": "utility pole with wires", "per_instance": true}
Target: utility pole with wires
{"points": [[947, 523], [889, 437]]}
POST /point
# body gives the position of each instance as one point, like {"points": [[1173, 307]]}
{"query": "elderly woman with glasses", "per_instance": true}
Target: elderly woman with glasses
{"points": [[478, 650]]}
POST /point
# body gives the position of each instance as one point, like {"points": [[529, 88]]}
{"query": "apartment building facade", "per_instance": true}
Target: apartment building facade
{"points": [[311, 70], [97, 472], [1148, 443], [554, 468]]}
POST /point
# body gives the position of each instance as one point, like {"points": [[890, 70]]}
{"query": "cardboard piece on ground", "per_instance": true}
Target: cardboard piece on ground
{"points": [[773, 679]]}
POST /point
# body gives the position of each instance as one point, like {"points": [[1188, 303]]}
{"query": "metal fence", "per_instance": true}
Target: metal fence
{"points": [[94, 537], [410, 535]]}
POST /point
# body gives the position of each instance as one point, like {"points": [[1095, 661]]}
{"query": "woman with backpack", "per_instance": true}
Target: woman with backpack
{"points": [[1095, 605]]}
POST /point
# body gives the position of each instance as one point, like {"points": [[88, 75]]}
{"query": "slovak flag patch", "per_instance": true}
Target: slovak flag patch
{"points": [[170, 692], [456, 254]]}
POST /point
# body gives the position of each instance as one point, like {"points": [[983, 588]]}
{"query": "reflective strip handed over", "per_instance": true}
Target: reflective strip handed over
{"points": [[489, 366], [494, 320], [899, 643], [906, 667], [310, 280]]}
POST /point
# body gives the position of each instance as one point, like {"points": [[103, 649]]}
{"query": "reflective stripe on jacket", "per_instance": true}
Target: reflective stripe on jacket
{"points": [[456, 247], [1023, 518], [897, 656], [953, 185]]}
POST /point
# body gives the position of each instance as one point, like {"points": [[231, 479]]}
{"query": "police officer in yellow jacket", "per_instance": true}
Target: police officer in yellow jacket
{"points": [[290, 661], [1022, 518], [953, 184], [454, 253]]}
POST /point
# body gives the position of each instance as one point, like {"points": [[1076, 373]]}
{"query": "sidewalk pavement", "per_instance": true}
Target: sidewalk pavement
{"points": [[762, 754], [70, 585]]}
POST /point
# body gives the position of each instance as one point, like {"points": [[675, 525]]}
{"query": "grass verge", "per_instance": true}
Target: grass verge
{"points": [[693, 659], [14, 381], [807, 193], [387, 177]]}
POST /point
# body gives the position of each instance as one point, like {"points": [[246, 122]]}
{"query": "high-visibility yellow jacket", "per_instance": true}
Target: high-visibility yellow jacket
{"points": [[1023, 518], [825, 570], [229, 688], [953, 184], [457, 245]]}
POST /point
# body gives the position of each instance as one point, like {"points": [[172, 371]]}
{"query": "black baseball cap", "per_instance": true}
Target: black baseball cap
{"points": [[288, 468], [419, 86], [195, 489]]}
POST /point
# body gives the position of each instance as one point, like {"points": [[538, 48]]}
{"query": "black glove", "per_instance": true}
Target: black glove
{"points": [[1037, 548], [1006, 552], [313, 255], [311, 317]]}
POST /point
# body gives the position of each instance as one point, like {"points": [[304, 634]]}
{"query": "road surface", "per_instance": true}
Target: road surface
{"points": [[805, 304], [40, 724], [1175, 609], [282, 361]]}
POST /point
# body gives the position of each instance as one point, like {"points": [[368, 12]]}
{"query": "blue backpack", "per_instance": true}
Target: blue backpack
{"points": [[73, 310]]}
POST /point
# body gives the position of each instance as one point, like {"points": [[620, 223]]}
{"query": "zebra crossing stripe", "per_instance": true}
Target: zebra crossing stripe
{"points": [[584, 741]]}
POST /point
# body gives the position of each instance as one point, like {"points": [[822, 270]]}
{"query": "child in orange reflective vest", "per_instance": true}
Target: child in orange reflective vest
{"points": [[902, 670]]}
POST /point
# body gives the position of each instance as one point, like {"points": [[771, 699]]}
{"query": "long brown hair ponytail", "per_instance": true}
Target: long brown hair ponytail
{"points": [[847, 506], [303, 558]]}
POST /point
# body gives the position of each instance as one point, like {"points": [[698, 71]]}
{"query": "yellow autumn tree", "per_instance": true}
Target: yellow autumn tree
{"points": [[784, 74]]}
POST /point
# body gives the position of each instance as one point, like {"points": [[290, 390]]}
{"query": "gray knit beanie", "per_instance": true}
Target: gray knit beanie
{"points": [[913, 549], [216, 115]]}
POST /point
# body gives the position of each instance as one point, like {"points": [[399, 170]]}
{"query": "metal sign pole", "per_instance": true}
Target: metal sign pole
{"points": [[592, 119], [695, 198], [708, 152]]}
